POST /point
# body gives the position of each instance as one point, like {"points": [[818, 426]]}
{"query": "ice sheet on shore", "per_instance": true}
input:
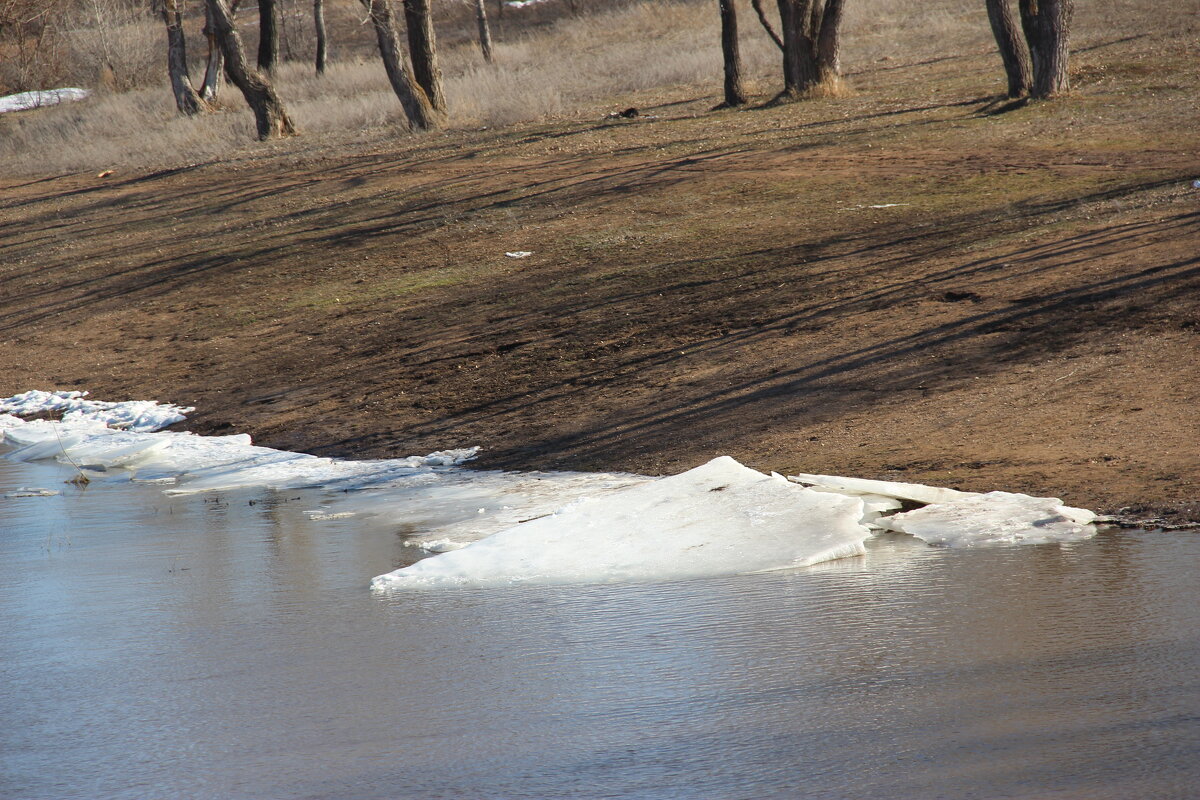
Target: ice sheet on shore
{"points": [[498, 528], [428, 495], [718, 519], [914, 492], [195, 464]]}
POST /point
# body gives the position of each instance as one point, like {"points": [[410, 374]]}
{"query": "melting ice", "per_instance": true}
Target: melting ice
{"points": [[718, 519], [494, 528]]}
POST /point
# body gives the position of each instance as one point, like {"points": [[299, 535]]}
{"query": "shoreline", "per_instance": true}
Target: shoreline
{"points": [[874, 285], [127, 421]]}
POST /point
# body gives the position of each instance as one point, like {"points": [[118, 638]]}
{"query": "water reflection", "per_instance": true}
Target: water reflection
{"points": [[227, 646]]}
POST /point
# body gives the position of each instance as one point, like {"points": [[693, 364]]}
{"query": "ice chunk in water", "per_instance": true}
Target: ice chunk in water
{"points": [[718, 519], [31, 491], [994, 518], [874, 505]]}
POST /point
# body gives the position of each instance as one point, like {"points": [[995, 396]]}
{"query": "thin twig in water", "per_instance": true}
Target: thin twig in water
{"points": [[80, 479]]}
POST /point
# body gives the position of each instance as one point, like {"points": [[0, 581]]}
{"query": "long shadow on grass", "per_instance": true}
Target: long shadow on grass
{"points": [[755, 389], [418, 206]]}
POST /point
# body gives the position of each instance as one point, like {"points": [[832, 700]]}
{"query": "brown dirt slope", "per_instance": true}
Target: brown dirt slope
{"points": [[913, 283]]}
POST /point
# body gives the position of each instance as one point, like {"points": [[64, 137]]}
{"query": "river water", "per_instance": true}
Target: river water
{"points": [[227, 646]]}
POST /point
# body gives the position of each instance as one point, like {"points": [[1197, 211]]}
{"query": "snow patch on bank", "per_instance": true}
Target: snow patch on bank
{"points": [[27, 101], [492, 528], [134, 415]]}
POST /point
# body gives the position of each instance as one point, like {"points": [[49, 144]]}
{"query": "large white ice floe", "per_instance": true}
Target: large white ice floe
{"points": [[718, 519], [994, 518], [491, 528]]}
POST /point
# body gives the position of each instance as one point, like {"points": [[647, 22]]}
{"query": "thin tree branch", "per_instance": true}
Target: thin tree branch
{"points": [[766, 23]]}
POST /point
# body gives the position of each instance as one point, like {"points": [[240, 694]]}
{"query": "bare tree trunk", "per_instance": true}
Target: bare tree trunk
{"points": [[485, 33], [1013, 50], [422, 48], [735, 93], [800, 71], [815, 12], [414, 101], [1047, 25], [829, 40], [187, 99], [766, 23], [268, 34], [322, 41], [270, 116], [211, 86], [285, 41]]}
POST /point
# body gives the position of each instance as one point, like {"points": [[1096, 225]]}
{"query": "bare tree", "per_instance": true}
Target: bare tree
{"points": [[1013, 50], [829, 40], [322, 39], [268, 34], [485, 32], [215, 65], [422, 48], [417, 108], [29, 33], [735, 93], [187, 99], [799, 48], [811, 35], [1035, 62], [270, 116], [1047, 25]]}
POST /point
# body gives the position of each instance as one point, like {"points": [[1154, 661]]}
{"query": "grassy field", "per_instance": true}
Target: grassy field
{"points": [[549, 64], [913, 281]]}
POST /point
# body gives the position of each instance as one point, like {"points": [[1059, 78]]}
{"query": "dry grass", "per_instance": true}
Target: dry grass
{"points": [[582, 66]]}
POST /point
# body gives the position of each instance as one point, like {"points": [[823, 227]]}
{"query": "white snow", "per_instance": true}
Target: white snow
{"points": [[915, 492], [39, 98], [136, 415], [499, 528], [878, 205], [718, 519], [437, 545]]}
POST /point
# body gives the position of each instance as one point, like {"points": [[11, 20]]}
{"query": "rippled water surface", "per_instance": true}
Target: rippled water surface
{"points": [[228, 647]]}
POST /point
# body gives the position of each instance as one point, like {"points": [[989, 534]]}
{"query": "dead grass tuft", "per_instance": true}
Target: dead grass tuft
{"points": [[833, 87]]}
